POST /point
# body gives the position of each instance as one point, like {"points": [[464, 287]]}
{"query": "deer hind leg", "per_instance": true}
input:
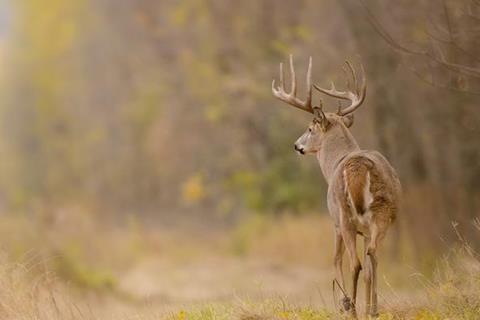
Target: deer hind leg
{"points": [[338, 259], [349, 235], [376, 236], [367, 274], [373, 265]]}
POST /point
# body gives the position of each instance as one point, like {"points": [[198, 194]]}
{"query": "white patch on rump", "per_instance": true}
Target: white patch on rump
{"points": [[367, 194], [361, 221]]}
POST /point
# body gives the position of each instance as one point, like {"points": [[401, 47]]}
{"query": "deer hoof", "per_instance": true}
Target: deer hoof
{"points": [[347, 304]]}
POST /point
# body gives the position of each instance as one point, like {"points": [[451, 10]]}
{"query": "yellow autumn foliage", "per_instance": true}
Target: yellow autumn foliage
{"points": [[193, 189]]}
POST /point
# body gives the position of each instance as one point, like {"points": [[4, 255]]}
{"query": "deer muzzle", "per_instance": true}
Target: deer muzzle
{"points": [[299, 149]]}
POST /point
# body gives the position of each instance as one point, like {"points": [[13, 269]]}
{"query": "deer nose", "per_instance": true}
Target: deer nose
{"points": [[298, 149]]}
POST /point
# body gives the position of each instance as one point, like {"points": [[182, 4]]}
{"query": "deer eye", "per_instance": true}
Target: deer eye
{"points": [[309, 129]]}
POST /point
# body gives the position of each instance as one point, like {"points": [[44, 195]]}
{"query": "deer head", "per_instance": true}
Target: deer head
{"points": [[324, 124]]}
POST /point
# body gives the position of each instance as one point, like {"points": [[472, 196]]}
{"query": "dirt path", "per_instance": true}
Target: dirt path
{"points": [[225, 279], [160, 286]]}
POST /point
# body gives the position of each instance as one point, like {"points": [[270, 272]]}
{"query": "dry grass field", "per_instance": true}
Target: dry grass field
{"points": [[263, 269]]}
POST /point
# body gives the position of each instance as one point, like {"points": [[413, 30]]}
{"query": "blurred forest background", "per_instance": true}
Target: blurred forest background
{"points": [[159, 114]]}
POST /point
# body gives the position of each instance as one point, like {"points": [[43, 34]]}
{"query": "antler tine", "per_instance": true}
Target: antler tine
{"points": [[356, 97], [291, 98], [282, 84], [308, 102], [354, 76], [293, 78], [347, 79], [333, 92]]}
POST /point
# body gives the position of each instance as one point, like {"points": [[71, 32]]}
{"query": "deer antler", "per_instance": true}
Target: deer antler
{"points": [[291, 98], [356, 97]]}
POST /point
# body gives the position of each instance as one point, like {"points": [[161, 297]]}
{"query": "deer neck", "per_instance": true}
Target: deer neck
{"points": [[335, 146]]}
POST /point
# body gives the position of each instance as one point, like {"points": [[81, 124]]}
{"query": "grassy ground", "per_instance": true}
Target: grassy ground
{"points": [[72, 268]]}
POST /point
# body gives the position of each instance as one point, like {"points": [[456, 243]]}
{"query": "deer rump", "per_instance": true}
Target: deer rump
{"points": [[357, 183], [364, 185]]}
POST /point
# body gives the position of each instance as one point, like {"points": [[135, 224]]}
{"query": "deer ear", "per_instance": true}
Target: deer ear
{"points": [[348, 120], [320, 118], [323, 123]]}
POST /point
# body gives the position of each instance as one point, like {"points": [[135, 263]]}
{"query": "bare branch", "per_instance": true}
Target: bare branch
{"points": [[436, 54]]}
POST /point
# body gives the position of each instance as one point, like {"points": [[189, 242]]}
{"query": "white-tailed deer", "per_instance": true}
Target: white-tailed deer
{"points": [[363, 188]]}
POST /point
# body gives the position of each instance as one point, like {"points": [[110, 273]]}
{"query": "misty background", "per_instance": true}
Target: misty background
{"points": [[159, 115]]}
